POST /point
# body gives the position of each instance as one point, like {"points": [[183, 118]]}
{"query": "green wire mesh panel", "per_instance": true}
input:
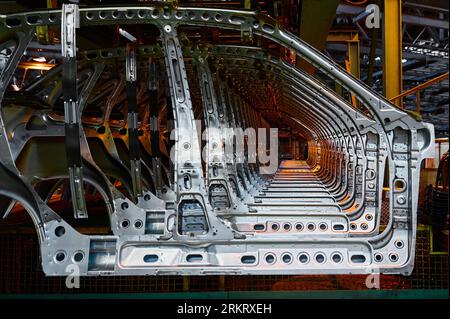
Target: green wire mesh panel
{"points": [[20, 273]]}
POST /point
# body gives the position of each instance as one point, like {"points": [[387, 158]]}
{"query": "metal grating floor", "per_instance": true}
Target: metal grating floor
{"points": [[20, 273]]}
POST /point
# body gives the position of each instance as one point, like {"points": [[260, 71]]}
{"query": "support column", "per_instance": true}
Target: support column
{"points": [[352, 65], [353, 58], [392, 62]]}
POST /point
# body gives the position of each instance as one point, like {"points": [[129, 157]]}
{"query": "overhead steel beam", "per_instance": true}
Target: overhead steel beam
{"points": [[379, 52], [410, 65], [409, 19], [425, 6]]}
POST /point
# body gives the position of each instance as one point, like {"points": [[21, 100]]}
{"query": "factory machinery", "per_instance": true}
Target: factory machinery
{"points": [[153, 129]]}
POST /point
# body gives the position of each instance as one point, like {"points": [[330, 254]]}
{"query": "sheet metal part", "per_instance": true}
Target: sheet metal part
{"points": [[70, 20], [317, 216]]}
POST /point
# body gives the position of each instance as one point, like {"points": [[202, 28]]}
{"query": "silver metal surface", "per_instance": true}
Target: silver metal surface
{"points": [[315, 216]]}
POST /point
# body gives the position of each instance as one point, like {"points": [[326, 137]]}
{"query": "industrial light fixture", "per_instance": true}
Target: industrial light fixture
{"points": [[39, 59], [127, 35]]}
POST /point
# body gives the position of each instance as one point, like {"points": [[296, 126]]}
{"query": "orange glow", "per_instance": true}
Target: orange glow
{"points": [[35, 66]]}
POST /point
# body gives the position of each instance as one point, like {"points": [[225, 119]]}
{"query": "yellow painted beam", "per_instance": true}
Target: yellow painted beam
{"points": [[42, 32], [353, 57], [342, 36], [186, 283], [392, 62], [429, 229], [422, 86], [352, 60]]}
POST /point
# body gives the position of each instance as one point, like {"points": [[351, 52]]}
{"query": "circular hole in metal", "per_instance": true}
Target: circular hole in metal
{"points": [[320, 258], [270, 258], [311, 226], [353, 226], [369, 217], [299, 226], [130, 14], [287, 258], [125, 223], [287, 226], [155, 13], [378, 257], [191, 15], [59, 231], [323, 226], [337, 257], [78, 256], [399, 244], [141, 14], [399, 185], [34, 19], [303, 258], [393, 257], [60, 256], [52, 17], [124, 205], [364, 226], [13, 22], [138, 223], [370, 174], [166, 13], [275, 226]]}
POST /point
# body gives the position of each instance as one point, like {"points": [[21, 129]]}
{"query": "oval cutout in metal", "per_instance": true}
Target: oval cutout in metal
{"points": [[358, 259], [259, 227], [248, 259], [338, 227], [152, 258], [194, 258]]}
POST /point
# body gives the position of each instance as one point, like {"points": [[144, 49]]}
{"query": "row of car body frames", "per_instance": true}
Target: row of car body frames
{"points": [[321, 216]]}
